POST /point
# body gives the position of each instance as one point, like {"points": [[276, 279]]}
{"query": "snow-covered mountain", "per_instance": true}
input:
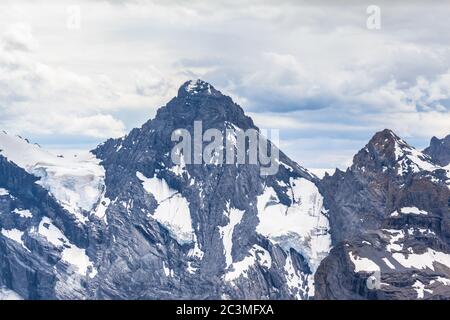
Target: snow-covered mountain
{"points": [[125, 222], [75, 182], [44, 232], [390, 215]]}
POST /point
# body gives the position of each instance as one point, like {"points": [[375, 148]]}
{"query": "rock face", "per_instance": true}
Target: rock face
{"points": [[390, 220], [126, 222], [439, 150], [31, 267], [140, 217]]}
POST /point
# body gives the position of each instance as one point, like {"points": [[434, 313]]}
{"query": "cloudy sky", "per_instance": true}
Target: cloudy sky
{"points": [[312, 69]]}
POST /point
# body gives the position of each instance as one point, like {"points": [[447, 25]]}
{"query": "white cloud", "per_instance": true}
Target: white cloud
{"points": [[413, 125], [19, 37], [312, 68], [38, 98], [96, 126]]}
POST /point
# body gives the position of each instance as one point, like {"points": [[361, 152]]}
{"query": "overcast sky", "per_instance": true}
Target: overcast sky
{"points": [[311, 69]]}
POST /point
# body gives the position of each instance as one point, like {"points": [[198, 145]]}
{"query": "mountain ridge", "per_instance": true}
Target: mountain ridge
{"points": [[389, 225], [439, 149], [160, 230], [144, 227]]}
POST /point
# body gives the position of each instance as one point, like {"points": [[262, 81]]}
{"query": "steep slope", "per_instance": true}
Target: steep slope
{"points": [[389, 216], [44, 249], [223, 227], [439, 150], [76, 182], [129, 223]]}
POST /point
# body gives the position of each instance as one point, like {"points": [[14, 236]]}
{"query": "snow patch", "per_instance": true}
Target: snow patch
{"points": [[388, 263], [15, 235], [363, 264], [70, 252], [394, 237], [102, 206], [299, 284], [394, 214], [420, 289], [320, 172], [226, 232], [256, 256], [198, 85], [190, 268], [76, 181], [424, 260], [409, 210], [23, 213], [412, 210], [411, 160], [174, 214], [157, 187], [167, 271], [444, 281], [302, 226], [180, 169], [173, 209], [4, 192], [196, 252]]}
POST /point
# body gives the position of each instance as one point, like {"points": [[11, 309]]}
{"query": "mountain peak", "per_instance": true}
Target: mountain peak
{"points": [[385, 137], [439, 150], [386, 145], [386, 151], [198, 100], [197, 88], [380, 151]]}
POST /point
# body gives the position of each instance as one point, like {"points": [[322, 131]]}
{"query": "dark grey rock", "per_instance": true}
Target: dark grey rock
{"points": [[135, 256], [382, 180], [439, 150]]}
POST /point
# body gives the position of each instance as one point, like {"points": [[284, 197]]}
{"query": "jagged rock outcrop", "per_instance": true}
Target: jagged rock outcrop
{"points": [[439, 150], [130, 223], [389, 213], [30, 265], [218, 241]]}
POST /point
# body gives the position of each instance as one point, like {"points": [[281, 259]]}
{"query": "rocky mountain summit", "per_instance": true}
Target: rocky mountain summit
{"points": [[125, 221], [439, 150], [389, 218]]}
